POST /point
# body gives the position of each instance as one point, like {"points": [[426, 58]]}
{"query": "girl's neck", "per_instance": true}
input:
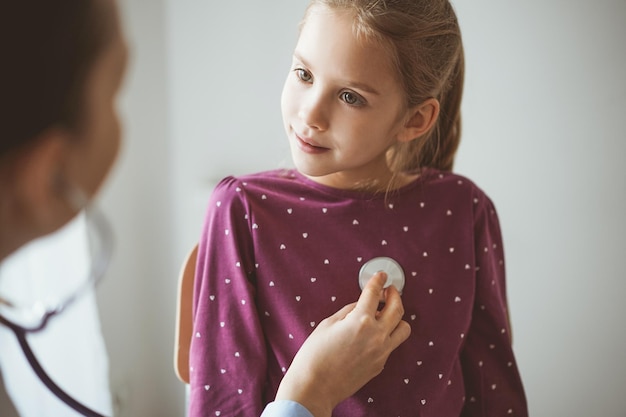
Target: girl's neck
{"points": [[373, 185]]}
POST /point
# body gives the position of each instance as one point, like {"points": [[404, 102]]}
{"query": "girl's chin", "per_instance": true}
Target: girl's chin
{"points": [[308, 170]]}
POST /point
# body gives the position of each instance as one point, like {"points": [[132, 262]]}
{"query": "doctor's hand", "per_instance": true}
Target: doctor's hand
{"points": [[346, 350]]}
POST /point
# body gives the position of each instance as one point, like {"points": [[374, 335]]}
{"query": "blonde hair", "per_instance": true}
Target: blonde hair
{"points": [[427, 52]]}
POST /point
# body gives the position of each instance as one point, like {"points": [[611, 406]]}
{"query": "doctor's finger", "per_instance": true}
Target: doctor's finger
{"points": [[370, 296], [342, 313], [392, 312], [399, 334]]}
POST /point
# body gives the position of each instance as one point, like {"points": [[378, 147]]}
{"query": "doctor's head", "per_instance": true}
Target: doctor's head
{"points": [[63, 64]]}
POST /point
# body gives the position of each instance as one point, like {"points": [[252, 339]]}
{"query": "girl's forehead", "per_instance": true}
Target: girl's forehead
{"points": [[337, 17], [329, 42], [323, 23]]}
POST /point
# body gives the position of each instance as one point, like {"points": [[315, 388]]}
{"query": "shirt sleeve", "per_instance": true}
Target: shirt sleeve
{"points": [[492, 381], [228, 362], [285, 409]]}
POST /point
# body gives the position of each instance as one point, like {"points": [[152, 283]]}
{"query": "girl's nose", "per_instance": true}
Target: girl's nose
{"points": [[314, 111]]}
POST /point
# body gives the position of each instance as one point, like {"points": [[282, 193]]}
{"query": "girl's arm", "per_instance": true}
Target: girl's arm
{"points": [[492, 381], [228, 358]]}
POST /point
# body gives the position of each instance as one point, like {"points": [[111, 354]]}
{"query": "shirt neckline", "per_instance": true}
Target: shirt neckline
{"points": [[356, 194]]}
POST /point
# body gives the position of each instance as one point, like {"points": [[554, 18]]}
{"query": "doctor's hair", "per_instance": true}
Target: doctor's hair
{"points": [[424, 41], [48, 48]]}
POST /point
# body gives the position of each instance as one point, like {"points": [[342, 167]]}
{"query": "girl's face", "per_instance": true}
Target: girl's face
{"points": [[342, 105]]}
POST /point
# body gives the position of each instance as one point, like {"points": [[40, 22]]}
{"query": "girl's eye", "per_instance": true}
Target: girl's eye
{"points": [[303, 75], [352, 98]]}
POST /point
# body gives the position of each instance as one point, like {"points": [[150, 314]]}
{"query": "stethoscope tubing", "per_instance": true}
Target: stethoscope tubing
{"points": [[48, 382], [43, 376]]}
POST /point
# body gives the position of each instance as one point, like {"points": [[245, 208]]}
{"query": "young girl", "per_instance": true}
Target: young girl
{"points": [[371, 108]]}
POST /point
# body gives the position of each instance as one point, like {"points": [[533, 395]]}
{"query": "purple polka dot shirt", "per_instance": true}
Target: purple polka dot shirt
{"points": [[279, 253]]}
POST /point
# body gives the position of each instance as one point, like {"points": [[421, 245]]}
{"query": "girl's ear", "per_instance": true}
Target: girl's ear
{"points": [[421, 119]]}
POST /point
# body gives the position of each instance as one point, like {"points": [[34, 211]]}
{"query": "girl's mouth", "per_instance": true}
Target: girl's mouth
{"points": [[308, 146]]}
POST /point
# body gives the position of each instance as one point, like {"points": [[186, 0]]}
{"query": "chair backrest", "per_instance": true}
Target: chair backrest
{"points": [[184, 320]]}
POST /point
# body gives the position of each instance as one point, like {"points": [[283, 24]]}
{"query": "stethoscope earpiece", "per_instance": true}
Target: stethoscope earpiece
{"points": [[395, 274]]}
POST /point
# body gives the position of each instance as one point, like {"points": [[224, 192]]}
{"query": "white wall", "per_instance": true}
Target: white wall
{"points": [[544, 104], [227, 63]]}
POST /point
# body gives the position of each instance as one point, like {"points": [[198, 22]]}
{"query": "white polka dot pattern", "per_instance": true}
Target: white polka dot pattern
{"points": [[279, 253]]}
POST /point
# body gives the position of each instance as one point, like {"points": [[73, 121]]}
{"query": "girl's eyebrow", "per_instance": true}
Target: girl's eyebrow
{"points": [[349, 83]]}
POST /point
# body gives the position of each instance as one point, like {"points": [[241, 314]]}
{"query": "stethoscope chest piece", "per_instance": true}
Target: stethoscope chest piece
{"points": [[395, 274]]}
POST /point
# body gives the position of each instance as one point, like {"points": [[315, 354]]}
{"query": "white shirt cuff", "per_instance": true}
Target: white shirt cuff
{"points": [[285, 408]]}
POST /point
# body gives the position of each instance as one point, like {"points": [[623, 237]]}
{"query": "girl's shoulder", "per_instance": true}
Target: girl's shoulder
{"points": [[261, 185], [438, 177], [453, 185], [265, 179]]}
